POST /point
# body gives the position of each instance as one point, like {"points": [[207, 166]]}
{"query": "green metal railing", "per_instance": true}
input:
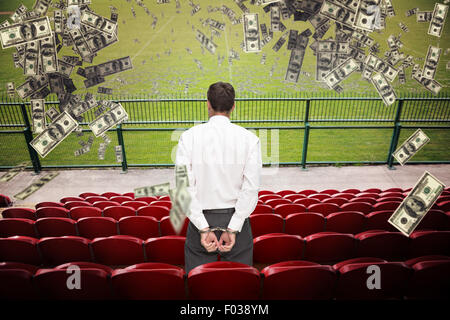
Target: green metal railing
{"points": [[284, 113]]}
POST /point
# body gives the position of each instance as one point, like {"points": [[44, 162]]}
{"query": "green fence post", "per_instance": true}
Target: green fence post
{"points": [[28, 138], [121, 143], [395, 135], [306, 135]]}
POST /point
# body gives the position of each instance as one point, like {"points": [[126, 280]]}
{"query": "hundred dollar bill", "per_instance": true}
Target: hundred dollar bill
{"points": [[11, 173], [431, 62], [118, 151], [384, 89], [431, 85], [424, 16], [401, 75], [41, 6], [411, 12], [275, 18], [377, 64], [98, 22], [52, 113], [368, 15], [411, 146], [31, 60], [340, 73], [251, 33], [181, 200], [32, 86], [181, 176], [295, 65], [106, 121], [416, 205], [338, 12], [80, 43], [438, 20], [109, 67], [155, 190], [56, 132], [17, 16], [25, 32], [277, 46], [49, 55], [25, 193], [37, 114], [10, 89], [206, 42]]}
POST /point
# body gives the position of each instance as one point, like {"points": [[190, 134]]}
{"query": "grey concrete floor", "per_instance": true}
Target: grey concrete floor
{"points": [[74, 182]]}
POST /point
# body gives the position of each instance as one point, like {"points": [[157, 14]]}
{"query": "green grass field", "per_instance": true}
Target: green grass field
{"points": [[160, 74]]}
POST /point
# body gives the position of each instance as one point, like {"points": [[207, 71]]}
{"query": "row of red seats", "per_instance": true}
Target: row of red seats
{"points": [[5, 201], [424, 277], [322, 247], [144, 227]]}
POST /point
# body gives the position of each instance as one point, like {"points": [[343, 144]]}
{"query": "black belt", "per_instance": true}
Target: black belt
{"points": [[224, 211]]}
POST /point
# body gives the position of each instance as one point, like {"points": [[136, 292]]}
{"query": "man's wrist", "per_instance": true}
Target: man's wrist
{"points": [[204, 230], [232, 231]]}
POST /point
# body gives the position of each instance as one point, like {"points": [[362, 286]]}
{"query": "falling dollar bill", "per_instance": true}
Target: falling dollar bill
{"points": [[411, 146], [106, 121], [181, 200], [11, 173], [181, 176], [251, 33], [438, 20], [37, 115], [98, 22], [384, 89], [25, 32], [56, 132], [118, 151], [10, 89], [431, 62], [35, 186], [295, 65], [156, 190], [418, 202], [423, 16], [340, 73]]}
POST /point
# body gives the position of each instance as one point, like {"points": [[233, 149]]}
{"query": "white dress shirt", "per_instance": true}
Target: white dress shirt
{"points": [[223, 162]]}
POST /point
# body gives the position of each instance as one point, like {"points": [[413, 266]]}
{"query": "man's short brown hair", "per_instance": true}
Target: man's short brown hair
{"points": [[221, 96]]}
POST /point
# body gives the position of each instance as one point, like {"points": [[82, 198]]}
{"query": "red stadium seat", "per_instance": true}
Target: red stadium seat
{"points": [[105, 204], [219, 280], [373, 190], [378, 220], [319, 196], [431, 280], [352, 191], [274, 202], [94, 199], [139, 227], [157, 212], [118, 250], [49, 204], [19, 249], [134, 204], [55, 227], [389, 205], [372, 201], [429, 242], [159, 203], [69, 199], [304, 223], [329, 247], [17, 227], [109, 195], [52, 284], [286, 209], [340, 264], [352, 281], [277, 247], [442, 199], [307, 192], [16, 284], [117, 212], [129, 194], [347, 196], [345, 222], [363, 207], [17, 265], [393, 190], [167, 282], [52, 212], [164, 198], [444, 206], [95, 227], [57, 250], [262, 208], [434, 257], [72, 204], [338, 201], [85, 212], [392, 246], [298, 280], [266, 223], [84, 195], [268, 197], [147, 200], [368, 195], [324, 208], [23, 213], [285, 192], [5, 201], [166, 249], [329, 191], [293, 197], [85, 265], [263, 192], [390, 198], [167, 228], [307, 201], [434, 220], [122, 199]]}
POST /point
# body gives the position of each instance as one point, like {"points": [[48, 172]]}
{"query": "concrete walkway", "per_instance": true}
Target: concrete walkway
{"points": [[74, 182]]}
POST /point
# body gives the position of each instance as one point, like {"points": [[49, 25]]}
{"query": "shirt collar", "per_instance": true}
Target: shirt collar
{"points": [[219, 118]]}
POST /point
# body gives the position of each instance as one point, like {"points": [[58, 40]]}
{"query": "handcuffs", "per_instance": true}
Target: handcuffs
{"points": [[217, 229]]}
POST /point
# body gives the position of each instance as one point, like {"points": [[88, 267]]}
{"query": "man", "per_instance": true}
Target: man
{"points": [[224, 164]]}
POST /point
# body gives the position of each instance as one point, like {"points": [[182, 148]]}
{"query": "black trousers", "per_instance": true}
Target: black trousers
{"points": [[242, 251]]}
